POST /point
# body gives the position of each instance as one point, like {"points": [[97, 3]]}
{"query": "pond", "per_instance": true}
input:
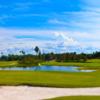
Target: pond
{"points": [[48, 68]]}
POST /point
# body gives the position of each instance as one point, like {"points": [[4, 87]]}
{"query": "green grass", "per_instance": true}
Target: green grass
{"points": [[90, 64], [8, 63], [50, 79], [93, 64], [53, 78], [14, 63], [77, 98]]}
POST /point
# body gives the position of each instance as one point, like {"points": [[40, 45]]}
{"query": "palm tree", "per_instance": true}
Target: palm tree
{"points": [[36, 49], [40, 56], [22, 52], [2, 53]]}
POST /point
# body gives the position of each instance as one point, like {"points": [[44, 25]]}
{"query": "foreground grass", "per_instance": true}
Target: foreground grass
{"points": [[90, 64], [77, 98], [50, 79]]}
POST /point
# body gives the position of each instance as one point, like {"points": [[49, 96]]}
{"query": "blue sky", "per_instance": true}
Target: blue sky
{"points": [[53, 25]]}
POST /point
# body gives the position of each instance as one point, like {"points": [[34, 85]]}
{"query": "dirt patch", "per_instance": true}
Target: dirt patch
{"points": [[12, 63]]}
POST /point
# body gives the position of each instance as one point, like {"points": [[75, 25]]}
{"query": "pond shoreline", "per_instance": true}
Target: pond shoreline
{"points": [[48, 68]]}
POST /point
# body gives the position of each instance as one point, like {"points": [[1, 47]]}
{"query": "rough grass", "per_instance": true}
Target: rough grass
{"points": [[77, 98], [50, 79]]}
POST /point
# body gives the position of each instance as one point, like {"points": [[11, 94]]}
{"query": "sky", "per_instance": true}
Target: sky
{"points": [[57, 26]]}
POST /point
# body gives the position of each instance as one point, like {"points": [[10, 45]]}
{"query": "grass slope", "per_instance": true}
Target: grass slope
{"points": [[50, 79], [77, 98]]}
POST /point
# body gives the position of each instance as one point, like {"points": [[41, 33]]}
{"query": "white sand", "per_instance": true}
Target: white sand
{"points": [[39, 93]]}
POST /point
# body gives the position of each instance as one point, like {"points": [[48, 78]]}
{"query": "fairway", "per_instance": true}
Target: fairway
{"points": [[77, 98], [50, 79]]}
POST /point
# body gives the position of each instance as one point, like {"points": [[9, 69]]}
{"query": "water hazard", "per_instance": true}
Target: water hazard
{"points": [[48, 68]]}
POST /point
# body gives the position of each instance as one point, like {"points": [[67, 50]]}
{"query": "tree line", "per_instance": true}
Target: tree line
{"points": [[64, 57]]}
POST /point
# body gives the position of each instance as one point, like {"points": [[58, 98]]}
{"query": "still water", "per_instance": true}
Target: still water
{"points": [[47, 68]]}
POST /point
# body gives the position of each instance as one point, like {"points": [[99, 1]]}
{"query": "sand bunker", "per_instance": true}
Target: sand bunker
{"points": [[39, 93]]}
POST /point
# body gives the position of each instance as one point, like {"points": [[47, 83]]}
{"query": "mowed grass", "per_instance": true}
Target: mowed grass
{"points": [[93, 64], [50, 78], [8, 63], [77, 98], [53, 78], [90, 64]]}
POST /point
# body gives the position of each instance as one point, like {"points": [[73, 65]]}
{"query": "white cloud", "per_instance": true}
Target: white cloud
{"points": [[8, 39], [91, 9], [92, 2], [23, 6], [55, 21], [84, 19], [64, 44], [79, 41], [85, 13], [69, 41], [18, 16]]}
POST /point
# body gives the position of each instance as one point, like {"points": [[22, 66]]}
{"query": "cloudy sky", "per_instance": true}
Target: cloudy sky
{"points": [[53, 25]]}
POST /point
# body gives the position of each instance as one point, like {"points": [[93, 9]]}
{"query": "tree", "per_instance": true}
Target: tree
{"points": [[63, 57], [52, 55], [43, 56], [68, 57], [74, 52], [48, 56], [85, 59], [59, 58], [2, 53], [36, 50], [40, 56], [73, 58], [24, 60], [22, 52], [78, 57], [9, 57]]}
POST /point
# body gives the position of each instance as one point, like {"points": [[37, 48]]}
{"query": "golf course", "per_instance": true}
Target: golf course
{"points": [[53, 78]]}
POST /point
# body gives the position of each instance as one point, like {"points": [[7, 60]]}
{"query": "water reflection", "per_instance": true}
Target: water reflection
{"points": [[47, 68]]}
